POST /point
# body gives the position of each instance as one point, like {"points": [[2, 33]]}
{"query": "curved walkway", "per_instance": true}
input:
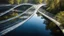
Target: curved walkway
{"points": [[48, 15], [33, 9], [14, 8]]}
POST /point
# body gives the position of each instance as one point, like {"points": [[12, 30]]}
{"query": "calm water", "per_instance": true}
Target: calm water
{"points": [[33, 27]]}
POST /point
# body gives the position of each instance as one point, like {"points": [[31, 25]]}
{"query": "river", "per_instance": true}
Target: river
{"points": [[33, 27]]}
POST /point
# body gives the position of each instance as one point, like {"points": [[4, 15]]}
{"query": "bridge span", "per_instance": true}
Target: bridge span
{"points": [[27, 15], [9, 28]]}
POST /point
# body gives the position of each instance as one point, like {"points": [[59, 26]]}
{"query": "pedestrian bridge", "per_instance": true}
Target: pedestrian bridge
{"points": [[6, 27]]}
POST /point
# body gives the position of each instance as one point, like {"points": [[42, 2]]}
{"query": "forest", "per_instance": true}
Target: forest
{"points": [[55, 7]]}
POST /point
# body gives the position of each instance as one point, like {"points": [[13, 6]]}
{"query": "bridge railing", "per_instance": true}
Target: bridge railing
{"points": [[9, 28], [48, 14], [14, 8], [52, 18]]}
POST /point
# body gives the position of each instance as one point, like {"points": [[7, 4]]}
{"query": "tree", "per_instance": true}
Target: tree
{"points": [[62, 4], [60, 17], [18, 1], [25, 1], [38, 1], [7, 16], [56, 6], [11, 1], [15, 1], [52, 4]]}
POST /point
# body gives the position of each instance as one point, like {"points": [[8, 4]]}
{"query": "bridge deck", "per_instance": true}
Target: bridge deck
{"points": [[29, 14], [48, 15], [9, 27]]}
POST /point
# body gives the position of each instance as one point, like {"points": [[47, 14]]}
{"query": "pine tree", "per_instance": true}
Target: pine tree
{"points": [[11, 1], [19, 1], [38, 1], [53, 4], [25, 1]]}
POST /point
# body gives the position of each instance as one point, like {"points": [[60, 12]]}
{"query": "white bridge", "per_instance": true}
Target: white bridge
{"points": [[26, 15]]}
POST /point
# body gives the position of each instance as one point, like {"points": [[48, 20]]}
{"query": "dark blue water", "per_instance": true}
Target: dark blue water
{"points": [[3, 9], [33, 27]]}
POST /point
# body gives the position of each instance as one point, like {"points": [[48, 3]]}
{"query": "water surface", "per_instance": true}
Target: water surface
{"points": [[33, 27]]}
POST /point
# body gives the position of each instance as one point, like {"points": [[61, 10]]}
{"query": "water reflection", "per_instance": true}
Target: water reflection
{"points": [[55, 30], [36, 26]]}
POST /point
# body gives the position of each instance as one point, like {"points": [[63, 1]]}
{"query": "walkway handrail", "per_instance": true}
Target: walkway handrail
{"points": [[14, 17], [14, 8], [52, 19], [17, 25]]}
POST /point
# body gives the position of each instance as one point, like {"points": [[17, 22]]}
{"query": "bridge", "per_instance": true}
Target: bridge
{"points": [[6, 27]]}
